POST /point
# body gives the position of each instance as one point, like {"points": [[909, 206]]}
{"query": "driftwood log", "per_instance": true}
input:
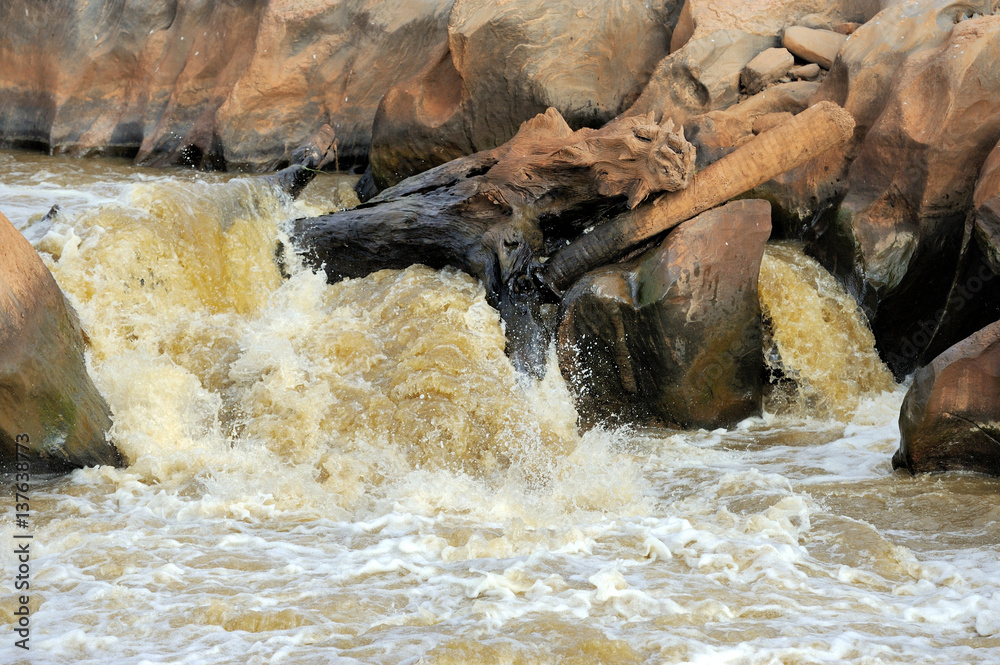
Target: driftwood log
{"points": [[495, 214], [789, 145], [499, 214]]}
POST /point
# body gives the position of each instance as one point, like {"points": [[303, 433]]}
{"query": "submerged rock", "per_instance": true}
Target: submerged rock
{"points": [[950, 419], [673, 337], [47, 400]]}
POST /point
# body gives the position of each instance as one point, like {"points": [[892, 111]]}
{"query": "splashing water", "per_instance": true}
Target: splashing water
{"points": [[354, 473], [819, 337]]}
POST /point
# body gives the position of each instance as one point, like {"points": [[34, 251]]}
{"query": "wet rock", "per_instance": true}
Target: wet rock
{"points": [[675, 335], [503, 63], [209, 84], [766, 68], [986, 200], [988, 184], [817, 46], [950, 418], [47, 400], [899, 239]]}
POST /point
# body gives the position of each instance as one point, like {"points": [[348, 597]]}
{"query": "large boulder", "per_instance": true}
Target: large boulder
{"points": [[950, 418], [673, 337], [899, 240], [209, 84], [47, 401], [503, 63]]}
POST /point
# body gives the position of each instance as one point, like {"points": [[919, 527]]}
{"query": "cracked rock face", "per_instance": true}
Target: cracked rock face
{"points": [[950, 418]]}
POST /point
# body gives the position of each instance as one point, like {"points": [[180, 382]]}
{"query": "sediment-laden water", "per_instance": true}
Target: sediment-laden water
{"points": [[354, 473]]}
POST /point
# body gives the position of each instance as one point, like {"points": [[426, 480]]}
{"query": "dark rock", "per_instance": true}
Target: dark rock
{"points": [[950, 418], [674, 336]]}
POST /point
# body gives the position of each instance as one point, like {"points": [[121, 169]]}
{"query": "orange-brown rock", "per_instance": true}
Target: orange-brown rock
{"points": [[950, 418], [812, 45], [860, 80], [717, 133], [212, 84], [805, 72], [502, 63], [766, 17], [47, 400], [766, 68], [675, 335], [715, 39], [899, 237]]}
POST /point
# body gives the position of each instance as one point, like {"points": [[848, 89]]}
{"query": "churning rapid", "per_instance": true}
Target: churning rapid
{"points": [[354, 473]]}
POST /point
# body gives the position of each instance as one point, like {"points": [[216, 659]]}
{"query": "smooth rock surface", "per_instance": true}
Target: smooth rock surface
{"points": [[505, 62], [817, 46], [950, 418], [717, 133], [673, 337], [208, 84], [860, 81], [46, 396], [766, 68], [899, 236]]}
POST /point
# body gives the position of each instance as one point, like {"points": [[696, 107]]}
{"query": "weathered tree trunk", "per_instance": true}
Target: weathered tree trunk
{"points": [[787, 146], [497, 214], [491, 213]]}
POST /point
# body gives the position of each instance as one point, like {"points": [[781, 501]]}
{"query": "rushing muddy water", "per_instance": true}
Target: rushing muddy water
{"points": [[354, 473]]}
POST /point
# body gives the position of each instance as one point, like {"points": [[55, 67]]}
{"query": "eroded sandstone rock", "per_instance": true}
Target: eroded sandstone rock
{"points": [[674, 336], [902, 224], [715, 39], [950, 419], [817, 46], [47, 400], [209, 84], [766, 68], [860, 81], [503, 63], [717, 133]]}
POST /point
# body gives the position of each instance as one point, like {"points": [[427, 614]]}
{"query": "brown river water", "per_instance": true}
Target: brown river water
{"points": [[354, 473]]}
